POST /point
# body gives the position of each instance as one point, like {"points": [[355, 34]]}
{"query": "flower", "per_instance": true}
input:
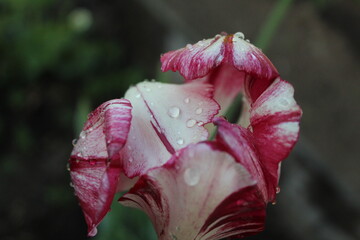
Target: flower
{"points": [[233, 65], [202, 192], [124, 138], [155, 143]]}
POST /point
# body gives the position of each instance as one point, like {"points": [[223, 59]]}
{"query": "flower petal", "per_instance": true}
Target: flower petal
{"points": [[95, 185], [94, 161], [274, 119], [195, 61], [105, 132], [201, 193], [166, 117], [228, 62], [239, 142]]}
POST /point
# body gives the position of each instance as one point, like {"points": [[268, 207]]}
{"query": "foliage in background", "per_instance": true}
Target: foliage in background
{"points": [[55, 65]]}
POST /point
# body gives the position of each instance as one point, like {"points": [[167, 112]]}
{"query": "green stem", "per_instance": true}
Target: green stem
{"points": [[271, 24]]}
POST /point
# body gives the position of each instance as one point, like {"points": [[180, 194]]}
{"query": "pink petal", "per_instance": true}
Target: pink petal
{"points": [[105, 132], [201, 193], [95, 163], [228, 82], [274, 121], [228, 62], [195, 61], [95, 186], [166, 117], [240, 143]]}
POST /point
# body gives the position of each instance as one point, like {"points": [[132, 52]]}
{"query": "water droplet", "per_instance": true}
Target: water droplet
{"points": [[201, 43], [277, 190], [174, 112], [189, 46], [90, 129], [180, 141], [190, 123], [71, 184], [131, 159], [152, 103], [200, 123], [192, 176], [187, 100], [74, 142], [198, 110], [129, 147], [247, 40], [274, 202], [138, 95], [82, 134], [239, 35], [68, 167], [79, 154]]}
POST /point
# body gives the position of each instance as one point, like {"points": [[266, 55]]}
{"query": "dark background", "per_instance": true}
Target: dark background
{"points": [[59, 59]]}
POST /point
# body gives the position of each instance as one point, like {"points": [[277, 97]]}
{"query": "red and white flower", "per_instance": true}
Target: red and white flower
{"points": [[154, 143], [124, 138], [233, 65]]}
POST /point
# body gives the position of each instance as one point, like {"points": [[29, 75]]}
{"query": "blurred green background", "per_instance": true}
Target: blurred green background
{"points": [[59, 59]]}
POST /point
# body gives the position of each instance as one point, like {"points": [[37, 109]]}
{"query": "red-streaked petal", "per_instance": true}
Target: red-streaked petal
{"points": [[166, 117], [229, 62], [274, 119], [239, 142], [105, 132], [201, 193], [95, 186], [94, 161], [195, 61]]}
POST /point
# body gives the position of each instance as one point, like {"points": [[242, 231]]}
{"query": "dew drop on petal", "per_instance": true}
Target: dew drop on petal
{"points": [[174, 112], [71, 184], [68, 167], [192, 176], [277, 190], [187, 100], [273, 203], [239, 35], [198, 110], [74, 142], [152, 103], [180, 141], [82, 134], [200, 123], [190, 123], [93, 232], [138, 95], [131, 159]]}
